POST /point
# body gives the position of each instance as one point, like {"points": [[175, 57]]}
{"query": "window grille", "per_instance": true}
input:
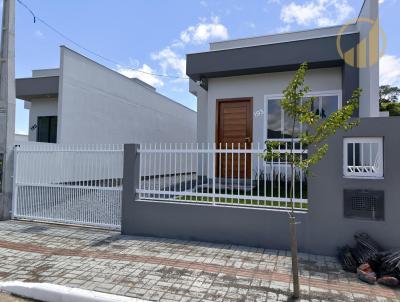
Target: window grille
{"points": [[363, 157]]}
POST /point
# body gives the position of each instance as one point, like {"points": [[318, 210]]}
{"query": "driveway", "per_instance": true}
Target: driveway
{"points": [[169, 270]]}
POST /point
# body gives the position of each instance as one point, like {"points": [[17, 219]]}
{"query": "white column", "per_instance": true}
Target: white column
{"points": [[7, 105]]}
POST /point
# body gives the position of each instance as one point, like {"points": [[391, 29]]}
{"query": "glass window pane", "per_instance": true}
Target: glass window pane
{"points": [[329, 105], [288, 127], [357, 154], [350, 154], [374, 153], [315, 106], [274, 119]]}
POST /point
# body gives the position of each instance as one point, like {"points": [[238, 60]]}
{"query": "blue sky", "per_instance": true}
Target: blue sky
{"points": [[155, 35]]}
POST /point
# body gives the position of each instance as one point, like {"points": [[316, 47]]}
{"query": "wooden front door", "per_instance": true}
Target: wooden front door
{"points": [[234, 126]]}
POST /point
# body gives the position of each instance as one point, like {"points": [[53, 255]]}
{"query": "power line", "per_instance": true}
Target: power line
{"points": [[52, 28]]}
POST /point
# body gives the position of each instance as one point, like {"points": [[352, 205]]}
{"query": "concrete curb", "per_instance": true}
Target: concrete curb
{"points": [[47, 292]]}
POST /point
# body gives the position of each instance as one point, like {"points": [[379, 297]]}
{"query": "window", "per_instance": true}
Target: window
{"points": [[47, 129], [278, 124], [363, 157]]}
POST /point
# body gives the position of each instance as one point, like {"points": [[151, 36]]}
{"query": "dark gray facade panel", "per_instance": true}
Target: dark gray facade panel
{"points": [[319, 53], [321, 230], [40, 87]]}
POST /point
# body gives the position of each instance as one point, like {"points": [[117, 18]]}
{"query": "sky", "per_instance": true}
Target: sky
{"points": [[154, 35]]}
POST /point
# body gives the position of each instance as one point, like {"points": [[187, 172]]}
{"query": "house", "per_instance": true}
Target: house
{"points": [[85, 102], [238, 83], [20, 137]]}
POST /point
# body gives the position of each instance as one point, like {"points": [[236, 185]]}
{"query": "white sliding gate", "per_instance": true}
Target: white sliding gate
{"points": [[74, 184]]}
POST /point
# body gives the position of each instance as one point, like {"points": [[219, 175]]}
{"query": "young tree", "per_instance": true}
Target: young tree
{"points": [[388, 94], [389, 99], [313, 137]]}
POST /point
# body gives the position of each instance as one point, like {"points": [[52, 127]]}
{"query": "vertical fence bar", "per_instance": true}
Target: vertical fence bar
{"points": [[232, 157], [213, 169], [238, 176]]}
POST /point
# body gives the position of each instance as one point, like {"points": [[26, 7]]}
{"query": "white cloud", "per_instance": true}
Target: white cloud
{"points": [[389, 70], [283, 29], [204, 31], [316, 12], [143, 73], [381, 1], [39, 34], [170, 61]]}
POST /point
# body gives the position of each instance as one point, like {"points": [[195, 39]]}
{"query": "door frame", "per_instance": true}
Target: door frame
{"points": [[249, 115]]}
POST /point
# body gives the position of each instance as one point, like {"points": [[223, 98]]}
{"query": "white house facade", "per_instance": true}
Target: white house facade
{"points": [[85, 102]]}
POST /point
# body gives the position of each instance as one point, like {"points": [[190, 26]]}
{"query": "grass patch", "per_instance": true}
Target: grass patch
{"points": [[264, 203]]}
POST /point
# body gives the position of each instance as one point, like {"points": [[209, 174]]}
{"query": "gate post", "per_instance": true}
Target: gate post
{"points": [[14, 182], [130, 182]]}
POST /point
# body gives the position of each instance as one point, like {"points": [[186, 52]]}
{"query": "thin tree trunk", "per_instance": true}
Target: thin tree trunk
{"points": [[293, 244], [292, 222]]}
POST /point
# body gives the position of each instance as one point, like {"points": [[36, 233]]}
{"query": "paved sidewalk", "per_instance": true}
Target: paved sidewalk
{"points": [[169, 270]]}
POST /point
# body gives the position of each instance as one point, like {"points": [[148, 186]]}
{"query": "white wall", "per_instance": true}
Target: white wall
{"points": [[20, 138], [40, 107], [256, 86], [282, 37], [202, 110], [369, 76], [99, 105]]}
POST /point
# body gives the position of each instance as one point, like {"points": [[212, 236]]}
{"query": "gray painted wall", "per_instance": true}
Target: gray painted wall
{"points": [[321, 230], [326, 190]]}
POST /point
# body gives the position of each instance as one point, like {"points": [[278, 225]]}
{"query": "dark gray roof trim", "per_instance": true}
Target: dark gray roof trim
{"points": [[40, 87], [318, 52]]}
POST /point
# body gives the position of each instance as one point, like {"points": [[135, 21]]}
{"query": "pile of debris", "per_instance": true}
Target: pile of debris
{"points": [[371, 263]]}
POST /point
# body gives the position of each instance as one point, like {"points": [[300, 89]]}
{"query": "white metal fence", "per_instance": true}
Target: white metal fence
{"points": [[226, 175], [77, 184]]}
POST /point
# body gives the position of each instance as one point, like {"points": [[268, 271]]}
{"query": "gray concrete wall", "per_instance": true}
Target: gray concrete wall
{"points": [[227, 225], [320, 231], [99, 105], [328, 227]]}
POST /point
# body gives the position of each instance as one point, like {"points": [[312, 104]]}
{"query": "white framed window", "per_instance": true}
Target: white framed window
{"points": [[278, 126], [363, 157]]}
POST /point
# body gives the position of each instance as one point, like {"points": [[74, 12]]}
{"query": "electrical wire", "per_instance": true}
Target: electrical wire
{"points": [[52, 28]]}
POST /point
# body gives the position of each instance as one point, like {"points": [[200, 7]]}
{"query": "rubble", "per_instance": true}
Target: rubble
{"points": [[371, 263]]}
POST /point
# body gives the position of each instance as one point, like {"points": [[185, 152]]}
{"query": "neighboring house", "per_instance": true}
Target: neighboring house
{"points": [[85, 102], [20, 138], [238, 83]]}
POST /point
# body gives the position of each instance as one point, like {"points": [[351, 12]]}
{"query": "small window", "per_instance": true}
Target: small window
{"points": [[47, 129], [363, 157]]}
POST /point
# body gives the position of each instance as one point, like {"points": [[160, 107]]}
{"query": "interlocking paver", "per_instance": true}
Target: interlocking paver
{"points": [[169, 270]]}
